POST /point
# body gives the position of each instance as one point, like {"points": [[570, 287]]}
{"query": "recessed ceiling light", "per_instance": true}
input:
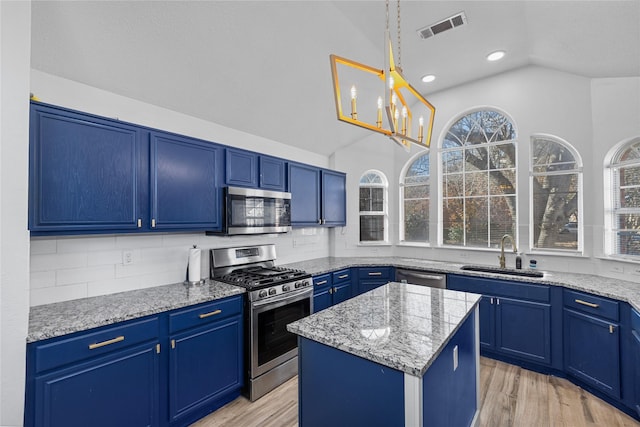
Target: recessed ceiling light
{"points": [[494, 56], [428, 78]]}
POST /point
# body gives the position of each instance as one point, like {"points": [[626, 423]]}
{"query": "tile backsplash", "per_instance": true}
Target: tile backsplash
{"points": [[66, 268]]}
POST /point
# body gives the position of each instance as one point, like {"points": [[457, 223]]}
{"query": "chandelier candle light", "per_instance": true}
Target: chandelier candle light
{"points": [[401, 101]]}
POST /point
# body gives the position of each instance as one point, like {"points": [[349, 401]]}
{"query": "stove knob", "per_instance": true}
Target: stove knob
{"points": [[262, 293], [298, 284], [305, 283], [286, 288], [272, 291]]}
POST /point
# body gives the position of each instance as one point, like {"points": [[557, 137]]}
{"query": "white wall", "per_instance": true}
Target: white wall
{"points": [[15, 39], [539, 100], [65, 268]]}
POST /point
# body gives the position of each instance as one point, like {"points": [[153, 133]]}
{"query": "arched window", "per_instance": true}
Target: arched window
{"points": [[623, 236], [478, 157], [414, 193], [556, 186], [373, 207]]}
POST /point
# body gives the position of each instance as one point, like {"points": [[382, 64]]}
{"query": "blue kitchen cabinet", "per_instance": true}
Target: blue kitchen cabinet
{"points": [[253, 170], [372, 277], [185, 183], [241, 168], [90, 174], [272, 173], [304, 186], [635, 360], [318, 196], [106, 378], [86, 173], [592, 341], [205, 359], [515, 317], [331, 288], [334, 198]]}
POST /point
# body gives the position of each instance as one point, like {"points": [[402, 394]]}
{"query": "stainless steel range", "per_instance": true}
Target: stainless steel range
{"points": [[276, 296]]}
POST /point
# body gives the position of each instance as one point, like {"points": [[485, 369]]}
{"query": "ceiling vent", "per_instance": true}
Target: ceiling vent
{"points": [[444, 25]]}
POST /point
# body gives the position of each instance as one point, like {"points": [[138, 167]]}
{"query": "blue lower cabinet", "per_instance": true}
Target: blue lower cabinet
{"points": [[331, 288], [487, 323], [523, 329], [592, 351], [372, 277], [635, 352], [118, 390], [204, 370]]}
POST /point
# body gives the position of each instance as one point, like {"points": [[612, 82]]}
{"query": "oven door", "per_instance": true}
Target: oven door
{"points": [[271, 343]]}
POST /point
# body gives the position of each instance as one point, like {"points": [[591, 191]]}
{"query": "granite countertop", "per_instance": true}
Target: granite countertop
{"points": [[53, 320], [621, 290], [401, 326]]}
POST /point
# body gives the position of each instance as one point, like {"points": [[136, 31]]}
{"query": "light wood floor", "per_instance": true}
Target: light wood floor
{"points": [[510, 396]]}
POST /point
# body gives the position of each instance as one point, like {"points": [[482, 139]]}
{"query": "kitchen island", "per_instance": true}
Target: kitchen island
{"points": [[397, 355]]}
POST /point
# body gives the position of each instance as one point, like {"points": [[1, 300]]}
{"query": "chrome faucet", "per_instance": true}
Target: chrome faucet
{"points": [[515, 250]]}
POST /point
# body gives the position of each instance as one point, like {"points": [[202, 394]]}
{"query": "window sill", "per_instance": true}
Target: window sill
{"points": [[556, 253], [374, 244], [415, 244], [619, 259]]}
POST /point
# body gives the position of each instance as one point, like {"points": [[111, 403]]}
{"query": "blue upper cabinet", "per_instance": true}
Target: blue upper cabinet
{"points": [[334, 198], [304, 185], [97, 175], [185, 177], [318, 196], [242, 168], [86, 173], [249, 169], [272, 173]]}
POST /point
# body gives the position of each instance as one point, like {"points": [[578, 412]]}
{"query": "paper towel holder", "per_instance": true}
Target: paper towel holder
{"points": [[189, 282]]}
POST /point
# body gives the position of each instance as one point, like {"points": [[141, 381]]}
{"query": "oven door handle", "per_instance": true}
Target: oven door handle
{"points": [[293, 296]]}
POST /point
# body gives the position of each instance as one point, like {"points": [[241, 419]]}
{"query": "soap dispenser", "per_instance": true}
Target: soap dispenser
{"points": [[518, 262]]}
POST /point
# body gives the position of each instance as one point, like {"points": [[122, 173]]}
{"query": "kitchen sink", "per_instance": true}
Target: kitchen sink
{"points": [[506, 271]]}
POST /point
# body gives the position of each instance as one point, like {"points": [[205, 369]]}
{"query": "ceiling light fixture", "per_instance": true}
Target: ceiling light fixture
{"points": [[395, 96], [495, 56], [428, 78]]}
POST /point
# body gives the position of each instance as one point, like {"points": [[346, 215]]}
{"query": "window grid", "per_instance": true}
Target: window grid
{"points": [[414, 191], [625, 199], [373, 207]]}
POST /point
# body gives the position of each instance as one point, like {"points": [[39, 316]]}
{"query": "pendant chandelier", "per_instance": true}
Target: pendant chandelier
{"points": [[387, 103]]}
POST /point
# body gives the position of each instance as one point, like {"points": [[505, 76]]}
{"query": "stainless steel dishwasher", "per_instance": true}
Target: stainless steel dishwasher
{"points": [[424, 278]]}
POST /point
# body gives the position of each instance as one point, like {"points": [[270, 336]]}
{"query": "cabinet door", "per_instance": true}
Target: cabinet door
{"points": [[185, 191], [592, 351], [119, 390], [321, 300], [334, 198], [635, 351], [342, 292], [242, 167], [304, 185], [204, 365], [523, 329], [85, 173], [272, 173], [487, 323]]}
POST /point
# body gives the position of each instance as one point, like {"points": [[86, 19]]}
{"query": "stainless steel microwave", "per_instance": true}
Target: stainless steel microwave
{"points": [[253, 211]]}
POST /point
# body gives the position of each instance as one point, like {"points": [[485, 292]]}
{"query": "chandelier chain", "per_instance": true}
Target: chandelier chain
{"points": [[399, 40]]}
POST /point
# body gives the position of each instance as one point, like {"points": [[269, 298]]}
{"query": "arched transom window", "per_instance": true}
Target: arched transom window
{"points": [[373, 207], [556, 184], [478, 157], [624, 218], [414, 191]]}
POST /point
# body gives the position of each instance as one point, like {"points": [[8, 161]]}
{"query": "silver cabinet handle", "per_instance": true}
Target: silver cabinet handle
{"points": [[375, 274], [344, 276], [322, 282]]}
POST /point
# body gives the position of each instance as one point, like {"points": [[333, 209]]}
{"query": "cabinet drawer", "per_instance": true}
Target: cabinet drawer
{"points": [[374, 272], [322, 281], [204, 313], [341, 276], [635, 322], [591, 304], [87, 345]]}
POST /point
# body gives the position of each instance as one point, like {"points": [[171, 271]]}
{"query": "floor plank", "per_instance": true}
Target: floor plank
{"points": [[509, 397]]}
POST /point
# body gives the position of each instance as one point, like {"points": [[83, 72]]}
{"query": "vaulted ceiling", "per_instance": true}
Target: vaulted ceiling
{"points": [[263, 66]]}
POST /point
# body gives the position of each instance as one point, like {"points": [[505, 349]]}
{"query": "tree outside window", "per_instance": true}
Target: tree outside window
{"points": [[625, 201], [414, 190], [373, 207], [478, 158], [556, 172]]}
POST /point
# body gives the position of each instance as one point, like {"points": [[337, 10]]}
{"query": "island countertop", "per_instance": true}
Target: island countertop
{"points": [[398, 325]]}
